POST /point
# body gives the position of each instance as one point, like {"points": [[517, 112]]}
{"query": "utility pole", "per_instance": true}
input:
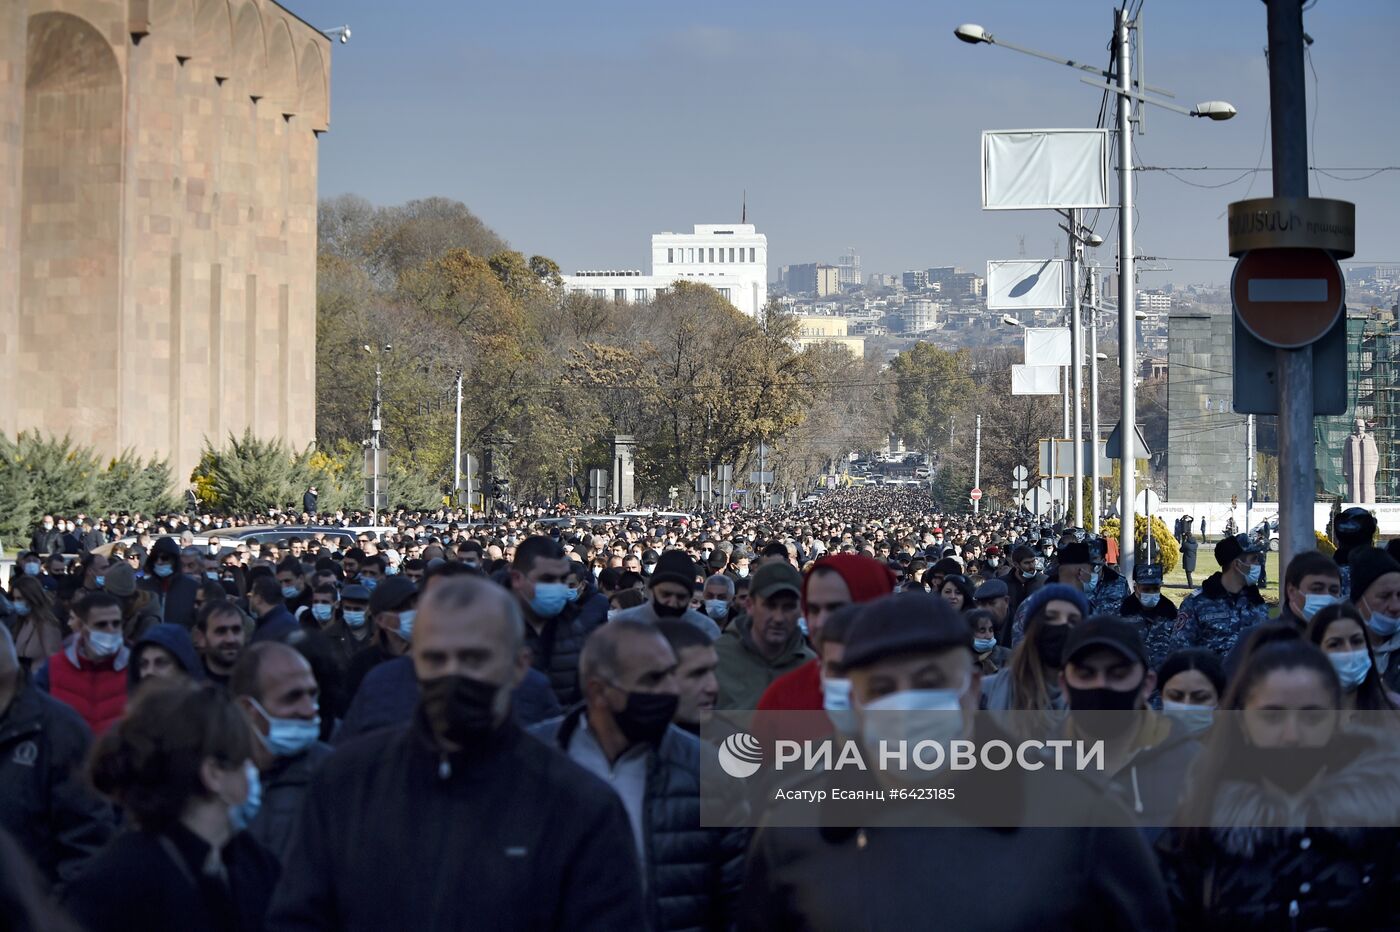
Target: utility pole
{"points": [[977, 464], [1127, 333], [1076, 348], [376, 423], [1064, 432], [457, 446], [762, 475], [1094, 509], [1249, 480], [1288, 116]]}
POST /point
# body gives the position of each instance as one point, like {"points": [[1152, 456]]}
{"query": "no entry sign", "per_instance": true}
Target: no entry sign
{"points": [[1288, 298], [976, 495]]}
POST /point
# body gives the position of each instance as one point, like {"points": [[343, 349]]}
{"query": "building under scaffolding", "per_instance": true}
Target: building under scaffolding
{"points": [[1373, 394]]}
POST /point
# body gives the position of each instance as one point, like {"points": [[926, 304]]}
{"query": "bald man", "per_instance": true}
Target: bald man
{"points": [[274, 686], [624, 733], [478, 819]]}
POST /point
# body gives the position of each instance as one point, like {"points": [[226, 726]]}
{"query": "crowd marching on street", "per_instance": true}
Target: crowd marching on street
{"points": [[307, 722]]}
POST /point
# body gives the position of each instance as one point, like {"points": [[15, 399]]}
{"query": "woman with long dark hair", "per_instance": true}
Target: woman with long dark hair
{"points": [[179, 765], [1290, 818], [1030, 681], [38, 630], [1341, 633]]}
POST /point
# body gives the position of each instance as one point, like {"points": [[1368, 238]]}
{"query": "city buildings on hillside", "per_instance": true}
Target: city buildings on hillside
{"points": [[731, 258], [817, 329]]}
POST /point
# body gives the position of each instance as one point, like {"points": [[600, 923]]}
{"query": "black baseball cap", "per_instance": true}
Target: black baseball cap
{"points": [[1231, 549], [1106, 631]]}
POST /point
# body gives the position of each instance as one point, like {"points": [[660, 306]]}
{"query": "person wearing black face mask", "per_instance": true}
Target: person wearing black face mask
{"points": [[1289, 821], [671, 588], [623, 733], [1107, 681], [479, 818]]}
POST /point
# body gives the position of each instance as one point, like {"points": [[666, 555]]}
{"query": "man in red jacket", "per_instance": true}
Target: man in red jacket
{"points": [[834, 582], [89, 674]]}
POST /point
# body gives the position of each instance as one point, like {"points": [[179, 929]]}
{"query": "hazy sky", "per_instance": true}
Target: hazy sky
{"points": [[577, 129]]}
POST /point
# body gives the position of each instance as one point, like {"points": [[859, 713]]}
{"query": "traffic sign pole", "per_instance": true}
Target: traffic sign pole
{"points": [[1288, 114], [977, 469]]}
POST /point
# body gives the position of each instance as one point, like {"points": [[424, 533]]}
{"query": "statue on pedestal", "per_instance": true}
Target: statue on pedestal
{"points": [[1360, 463]]}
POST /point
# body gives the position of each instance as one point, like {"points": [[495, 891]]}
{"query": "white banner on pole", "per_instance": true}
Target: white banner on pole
{"points": [[1048, 346], [1018, 284], [1044, 169], [1035, 380]]}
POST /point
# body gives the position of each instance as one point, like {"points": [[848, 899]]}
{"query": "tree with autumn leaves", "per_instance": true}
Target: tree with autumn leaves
{"points": [[551, 376]]}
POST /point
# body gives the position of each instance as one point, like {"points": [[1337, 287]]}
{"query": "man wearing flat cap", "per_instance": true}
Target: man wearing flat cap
{"points": [[911, 653]]}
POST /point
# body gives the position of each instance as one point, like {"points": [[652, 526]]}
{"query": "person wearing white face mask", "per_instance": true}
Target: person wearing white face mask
{"points": [[1375, 591], [911, 666], [90, 673], [273, 685], [1341, 633], [1192, 683], [1216, 616], [1152, 612]]}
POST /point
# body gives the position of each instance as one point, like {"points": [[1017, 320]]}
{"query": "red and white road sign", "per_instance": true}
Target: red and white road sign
{"points": [[1288, 297], [976, 495]]}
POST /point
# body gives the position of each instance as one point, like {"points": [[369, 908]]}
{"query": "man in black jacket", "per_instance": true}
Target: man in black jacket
{"points": [[46, 538], [623, 733], [539, 577], [45, 801], [276, 690], [481, 822], [163, 577], [889, 873]]}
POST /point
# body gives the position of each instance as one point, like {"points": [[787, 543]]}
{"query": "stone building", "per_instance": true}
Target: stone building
{"points": [[158, 221], [1205, 437]]}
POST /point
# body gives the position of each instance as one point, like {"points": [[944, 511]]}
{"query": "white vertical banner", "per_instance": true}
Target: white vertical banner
{"points": [[1035, 380], [1048, 346]]}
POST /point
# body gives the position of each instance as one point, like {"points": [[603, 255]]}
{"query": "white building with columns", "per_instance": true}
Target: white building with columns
{"points": [[732, 258]]}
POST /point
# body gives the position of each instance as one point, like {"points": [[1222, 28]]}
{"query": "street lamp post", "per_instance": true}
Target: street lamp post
{"points": [[1127, 327], [1124, 89]]}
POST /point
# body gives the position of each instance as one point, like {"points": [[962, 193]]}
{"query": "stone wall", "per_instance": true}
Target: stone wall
{"points": [[1205, 445], [158, 221]]}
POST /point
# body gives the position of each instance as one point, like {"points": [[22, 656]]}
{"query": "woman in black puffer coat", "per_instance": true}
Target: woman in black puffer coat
{"points": [[1290, 823]]}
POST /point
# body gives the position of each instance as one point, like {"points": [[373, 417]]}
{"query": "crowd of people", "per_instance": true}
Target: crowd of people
{"points": [[446, 724]]}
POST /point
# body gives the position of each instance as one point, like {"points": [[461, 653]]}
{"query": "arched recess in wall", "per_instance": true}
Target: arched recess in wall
{"points": [[249, 48], [282, 84], [173, 22], [70, 229], [312, 70], [213, 36]]}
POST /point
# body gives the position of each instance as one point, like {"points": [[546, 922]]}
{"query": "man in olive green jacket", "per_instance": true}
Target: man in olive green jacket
{"points": [[766, 643]]}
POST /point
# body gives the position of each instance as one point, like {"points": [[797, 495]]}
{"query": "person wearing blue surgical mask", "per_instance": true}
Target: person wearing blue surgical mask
{"points": [[1311, 582], [913, 679], [1341, 633], [179, 767], [278, 694], [539, 578], [1192, 683], [1375, 591], [1218, 616]]}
